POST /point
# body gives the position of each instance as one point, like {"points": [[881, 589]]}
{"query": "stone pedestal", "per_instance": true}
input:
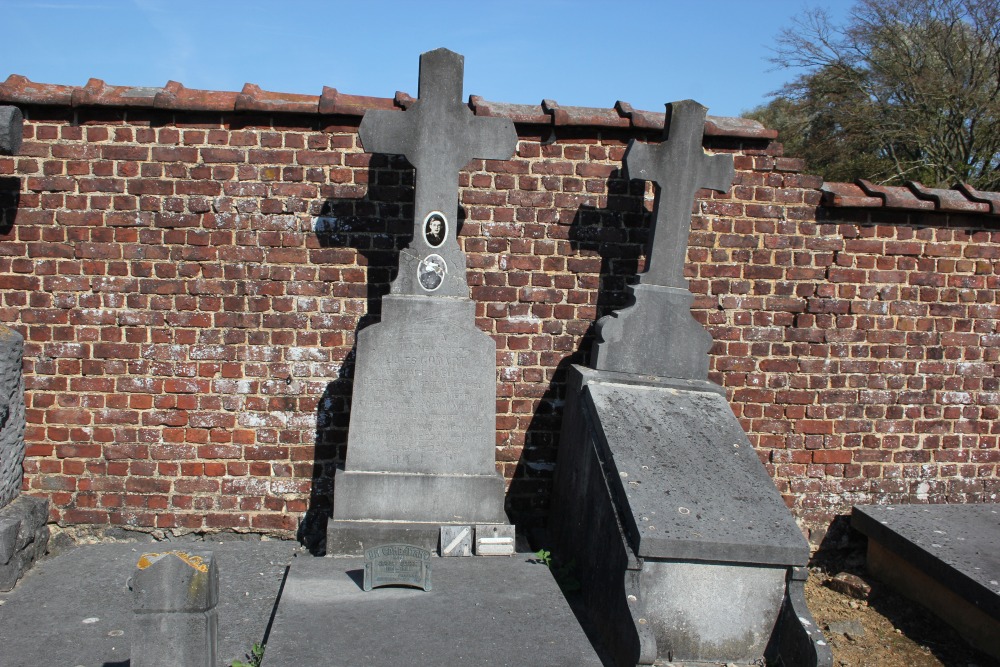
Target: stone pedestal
{"points": [[421, 445], [175, 595]]}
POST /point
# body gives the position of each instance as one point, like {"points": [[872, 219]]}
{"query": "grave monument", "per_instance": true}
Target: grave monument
{"points": [[23, 533], [420, 459], [421, 441], [684, 548]]}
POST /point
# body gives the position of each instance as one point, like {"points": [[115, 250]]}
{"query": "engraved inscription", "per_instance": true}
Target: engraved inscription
{"points": [[397, 565]]}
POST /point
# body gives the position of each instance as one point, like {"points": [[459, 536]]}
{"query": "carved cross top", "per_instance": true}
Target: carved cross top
{"points": [[438, 134], [679, 167]]}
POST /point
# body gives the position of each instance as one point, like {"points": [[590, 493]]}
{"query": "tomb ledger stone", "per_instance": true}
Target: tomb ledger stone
{"points": [[684, 548], [421, 441]]}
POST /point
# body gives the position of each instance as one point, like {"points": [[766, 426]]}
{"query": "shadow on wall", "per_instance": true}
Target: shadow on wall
{"points": [[10, 197], [617, 235]]}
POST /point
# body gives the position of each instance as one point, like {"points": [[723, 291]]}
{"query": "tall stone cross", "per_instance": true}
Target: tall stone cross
{"points": [[679, 167], [438, 134], [656, 334]]}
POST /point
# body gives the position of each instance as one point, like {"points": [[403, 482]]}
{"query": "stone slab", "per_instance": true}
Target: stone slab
{"points": [[692, 484], [481, 611], [956, 545], [42, 621]]}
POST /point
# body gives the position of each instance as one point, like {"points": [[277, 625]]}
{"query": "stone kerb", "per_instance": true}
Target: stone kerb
{"points": [[176, 622]]}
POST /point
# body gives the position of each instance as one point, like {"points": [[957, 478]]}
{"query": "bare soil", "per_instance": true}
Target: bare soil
{"points": [[895, 632]]}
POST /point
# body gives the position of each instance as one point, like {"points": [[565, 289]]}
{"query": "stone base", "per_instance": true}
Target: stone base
{"points": [[324, 617], [168, 639], [23, 537], [351, 538], [415, 497]]}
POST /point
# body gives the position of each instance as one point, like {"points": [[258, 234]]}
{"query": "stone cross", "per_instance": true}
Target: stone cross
{"points": [[679, 167], [656, 334], [438, 134]]}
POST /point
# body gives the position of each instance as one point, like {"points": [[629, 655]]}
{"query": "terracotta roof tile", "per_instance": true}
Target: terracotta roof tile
{"points": [[947, 200], [252, 98], [847, 195], [590, 116], [990, 198], [895, 196], [962, 198], [174, 96], [333, 102], [519, 113]]}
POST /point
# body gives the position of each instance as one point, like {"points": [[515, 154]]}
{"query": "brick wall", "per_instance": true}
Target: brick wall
{"points": [[189, 285]]}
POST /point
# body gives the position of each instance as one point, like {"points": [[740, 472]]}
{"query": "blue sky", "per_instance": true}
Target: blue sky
{"points": [[577, 52]]}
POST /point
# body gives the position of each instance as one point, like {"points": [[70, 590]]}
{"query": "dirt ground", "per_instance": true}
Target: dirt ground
{"points": [[884, 630]]}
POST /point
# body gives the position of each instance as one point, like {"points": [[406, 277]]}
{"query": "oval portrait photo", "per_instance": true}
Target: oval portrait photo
{"points": [[431, 271], [435, 229]]}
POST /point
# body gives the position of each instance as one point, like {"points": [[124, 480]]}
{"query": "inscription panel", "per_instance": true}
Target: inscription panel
{"points": [[427, 401], [397, 565]]}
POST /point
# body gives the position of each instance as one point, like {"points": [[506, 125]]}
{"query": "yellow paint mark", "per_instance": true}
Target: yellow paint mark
{"points": [[194, 561]]}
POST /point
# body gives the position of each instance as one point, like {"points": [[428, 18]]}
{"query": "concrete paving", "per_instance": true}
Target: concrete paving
{"points": [[75, 609]]}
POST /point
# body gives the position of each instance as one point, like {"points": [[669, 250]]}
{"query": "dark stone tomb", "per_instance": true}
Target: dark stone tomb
{"points": [[684, 548]]}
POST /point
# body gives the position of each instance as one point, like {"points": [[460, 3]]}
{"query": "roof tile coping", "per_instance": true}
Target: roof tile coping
{"points": [[961, 198], [174, 96]]}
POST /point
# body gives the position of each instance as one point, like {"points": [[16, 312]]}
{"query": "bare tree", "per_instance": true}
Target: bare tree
{"points": [[906, 90]]}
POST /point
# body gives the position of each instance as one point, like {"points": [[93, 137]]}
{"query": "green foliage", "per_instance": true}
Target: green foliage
{"points": [[563, 574], [255, 657], [906, 90]]}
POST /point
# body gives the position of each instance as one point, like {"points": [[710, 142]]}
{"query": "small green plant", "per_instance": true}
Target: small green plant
{"points": [[255, 656], [544, 557], [563, 573]]}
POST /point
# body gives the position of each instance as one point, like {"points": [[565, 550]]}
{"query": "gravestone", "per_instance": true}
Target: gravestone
{"points": [[421, 440], [420, 469], [23, 533], [174, 600], [683, 546]]}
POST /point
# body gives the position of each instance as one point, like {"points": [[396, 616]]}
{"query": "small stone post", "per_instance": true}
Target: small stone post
{"points": [[174, 600]]}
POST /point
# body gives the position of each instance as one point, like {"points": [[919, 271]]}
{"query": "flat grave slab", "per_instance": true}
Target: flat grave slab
{"points": [[481, 611], [944, 556]]}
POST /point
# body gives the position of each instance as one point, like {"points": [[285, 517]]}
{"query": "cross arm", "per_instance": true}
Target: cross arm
{"points": [[491, 138], [384, 131]]}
